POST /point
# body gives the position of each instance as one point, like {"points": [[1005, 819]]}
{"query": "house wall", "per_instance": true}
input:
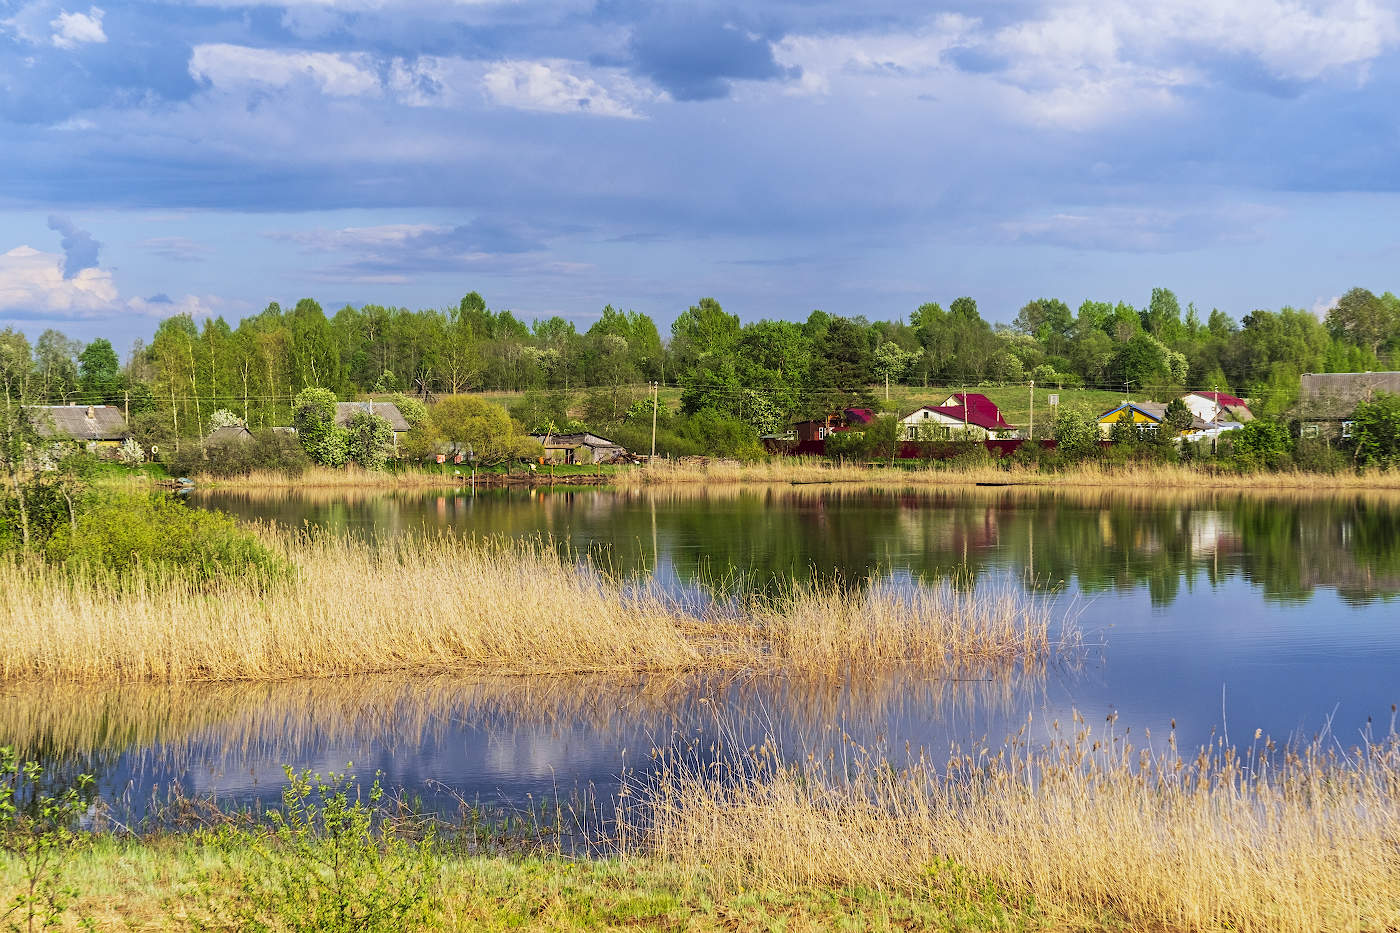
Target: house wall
{"points": [[1203, 408], [923, 423], [1107, 422]]}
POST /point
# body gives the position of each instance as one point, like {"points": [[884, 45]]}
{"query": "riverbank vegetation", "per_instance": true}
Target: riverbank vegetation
{"points": [[1083, 830], [448, 604]]}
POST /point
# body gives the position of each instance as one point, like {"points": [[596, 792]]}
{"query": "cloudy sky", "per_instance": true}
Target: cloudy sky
{"points": [[557, 155]]}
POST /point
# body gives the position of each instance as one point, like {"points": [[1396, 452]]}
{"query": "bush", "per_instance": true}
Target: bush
{"points": [[272, 451], [117, 533], [313, 415], [1316, 455], [369, 440], [1261, 445], [329, 863]]}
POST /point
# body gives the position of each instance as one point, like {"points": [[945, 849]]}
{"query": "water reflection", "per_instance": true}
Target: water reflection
{"points": [[1095, 540]]}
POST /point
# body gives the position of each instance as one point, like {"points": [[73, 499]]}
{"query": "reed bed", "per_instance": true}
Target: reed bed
{"points": [[447, 605], [1095, 831], [1167, 476]]}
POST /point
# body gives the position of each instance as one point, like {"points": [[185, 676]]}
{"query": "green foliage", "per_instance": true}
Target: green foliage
{"points": [[38, 827], [329, 863], [118, 533], [1178, 417], [1261, 444], [414, 411], [477, 428], [1076, 432], [313, 415], [369, 439], [1375, 431]]}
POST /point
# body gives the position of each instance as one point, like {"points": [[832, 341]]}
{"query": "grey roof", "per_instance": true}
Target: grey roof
{"points": [[1330, 396], [570, 441], [388, 410], [80, 422], [229, 434]]}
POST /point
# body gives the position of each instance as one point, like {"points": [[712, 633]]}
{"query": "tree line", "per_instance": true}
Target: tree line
{"points": [[762, 374]]}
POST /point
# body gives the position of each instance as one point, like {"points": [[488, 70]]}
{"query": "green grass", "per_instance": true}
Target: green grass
{"points": [[162, 884]]}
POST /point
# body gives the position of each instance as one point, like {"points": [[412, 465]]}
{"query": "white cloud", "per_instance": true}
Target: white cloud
{"points": [[72, 29], [240, 67], [552, 86], [32, 284], [1077, 64]]}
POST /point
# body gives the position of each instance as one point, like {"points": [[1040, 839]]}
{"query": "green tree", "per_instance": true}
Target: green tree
{"points": [[1178, 417], [369, 440], [313, 415], [1363, 319], [479, 429], [1375, 431], [1076, 433], [841, 369], [99, 371]]}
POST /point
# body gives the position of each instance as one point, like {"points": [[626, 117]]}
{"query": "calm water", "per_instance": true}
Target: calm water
{"points": [[1224, 612]]}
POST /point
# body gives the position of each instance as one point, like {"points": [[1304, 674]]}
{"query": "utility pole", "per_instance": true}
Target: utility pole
{"points": [[887, 386], [655, 404], [1032, 426]]}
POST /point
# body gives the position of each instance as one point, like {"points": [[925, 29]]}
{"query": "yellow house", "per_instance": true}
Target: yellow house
{"points": [[1148, 416]]}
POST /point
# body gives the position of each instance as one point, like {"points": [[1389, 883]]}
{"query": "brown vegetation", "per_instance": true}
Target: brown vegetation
{"points": [[443, 604], [1096, 831]]}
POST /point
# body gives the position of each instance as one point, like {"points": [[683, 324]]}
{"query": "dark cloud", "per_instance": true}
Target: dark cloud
{"points": [[80, 248], [160, 298], [975, 60], [696, 55]]}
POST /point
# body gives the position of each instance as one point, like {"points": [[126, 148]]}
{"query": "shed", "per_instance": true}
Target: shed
{"points": [[102, 425], [1326, 401], [585, 447]]}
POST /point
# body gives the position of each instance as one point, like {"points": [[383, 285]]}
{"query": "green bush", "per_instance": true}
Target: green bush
{"points": [[313, 415], [117, 533], [369, 440], [39, 829], [329, 863], [1261, 445]]}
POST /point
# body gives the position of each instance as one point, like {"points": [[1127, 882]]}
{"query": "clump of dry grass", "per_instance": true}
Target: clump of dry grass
{"points": [[447, 605], [1094, 829], [803, 470]]}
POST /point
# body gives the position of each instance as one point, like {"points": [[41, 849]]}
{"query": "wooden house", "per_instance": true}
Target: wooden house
{"points": [[90, 425], [579, 448], [1326, 401], [968, 414]]}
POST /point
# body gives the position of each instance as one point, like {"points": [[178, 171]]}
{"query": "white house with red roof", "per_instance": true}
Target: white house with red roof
{"points": [[1214, 407], [969, 414]]}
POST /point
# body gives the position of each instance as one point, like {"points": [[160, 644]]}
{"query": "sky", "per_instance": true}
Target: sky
{"points": [[210, 156]]}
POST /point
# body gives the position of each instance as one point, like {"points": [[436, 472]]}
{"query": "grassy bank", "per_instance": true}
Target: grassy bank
{"points": [[443, 604], [1080, 832], [158, 885]]}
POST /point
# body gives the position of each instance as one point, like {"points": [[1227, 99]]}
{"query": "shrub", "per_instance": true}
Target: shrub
{"points": [[1076, 434], [117, 533], [1375, 431], [326, 863], [1261, 445], [38, 826], [313, 415], [271, 451], [369, 440]]}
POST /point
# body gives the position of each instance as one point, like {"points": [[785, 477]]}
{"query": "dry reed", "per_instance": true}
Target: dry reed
{"points": [[1096, 831], [1168, 476], [446, 605]]}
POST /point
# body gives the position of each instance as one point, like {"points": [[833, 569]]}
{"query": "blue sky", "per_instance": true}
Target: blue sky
{"points": [[559, 155]]}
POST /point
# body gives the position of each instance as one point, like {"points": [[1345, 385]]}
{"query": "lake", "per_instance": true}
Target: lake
{"points": [[1224, 612]]}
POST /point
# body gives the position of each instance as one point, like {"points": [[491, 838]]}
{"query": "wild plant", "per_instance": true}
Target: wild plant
{"points": [[39, 829], [328, 862]]}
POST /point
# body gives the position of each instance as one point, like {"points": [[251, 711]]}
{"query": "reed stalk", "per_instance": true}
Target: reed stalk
{"points": [[442, 604]]}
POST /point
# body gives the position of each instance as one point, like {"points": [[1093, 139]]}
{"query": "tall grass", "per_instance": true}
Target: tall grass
{"points": [[1096, 830], [1166, 476], [447, 605]]}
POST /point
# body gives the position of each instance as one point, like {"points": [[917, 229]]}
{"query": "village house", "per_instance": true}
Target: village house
{"points": [[1215, 407], [344, 411], [579, 448], [971, 415], [228, 434], [90, 425], [1326, 401], [1148, 416], [819, 429]]}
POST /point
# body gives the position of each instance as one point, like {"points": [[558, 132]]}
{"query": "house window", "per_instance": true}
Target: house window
{"points": [[1311, 430], [1346, 428]]}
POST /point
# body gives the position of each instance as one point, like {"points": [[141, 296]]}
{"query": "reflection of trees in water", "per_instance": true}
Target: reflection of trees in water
{"points": [[759, 538]]}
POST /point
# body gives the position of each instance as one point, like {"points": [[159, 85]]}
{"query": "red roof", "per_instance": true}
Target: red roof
{"points": [[975, 409], [1222, 398], [859, 415]]}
